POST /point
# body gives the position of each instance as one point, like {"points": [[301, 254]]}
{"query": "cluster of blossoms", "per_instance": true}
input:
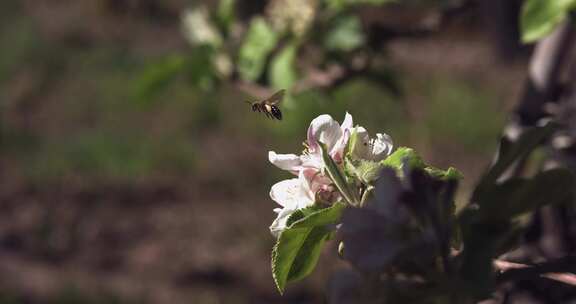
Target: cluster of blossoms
{"points": [[313, 185]]}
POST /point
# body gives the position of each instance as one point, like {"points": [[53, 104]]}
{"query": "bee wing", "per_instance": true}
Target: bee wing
{"points": [[276, 98]]}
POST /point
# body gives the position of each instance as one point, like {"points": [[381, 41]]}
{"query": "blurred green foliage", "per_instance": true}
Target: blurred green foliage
{"points": [[460, 112], [540, 17], [119, 102]]}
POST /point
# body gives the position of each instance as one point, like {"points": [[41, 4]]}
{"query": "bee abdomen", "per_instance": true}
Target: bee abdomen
{"points": [[276, 112]]}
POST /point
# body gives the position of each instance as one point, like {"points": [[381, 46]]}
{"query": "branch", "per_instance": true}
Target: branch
{"points": [[554, 270], [316, 78]]}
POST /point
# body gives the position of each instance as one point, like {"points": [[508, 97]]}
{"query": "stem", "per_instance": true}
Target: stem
{"points": [[553, 270], [337, 178]]}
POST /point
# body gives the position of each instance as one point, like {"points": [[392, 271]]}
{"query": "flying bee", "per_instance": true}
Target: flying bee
{"points": [[268, 105]]}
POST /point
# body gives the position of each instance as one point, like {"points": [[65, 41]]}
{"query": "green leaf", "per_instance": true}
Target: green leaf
{"points": [[481, 242], [403, 154], [448, 174], [337, 178], [509, 153], [298, 248], [540, 17], [200, 67], [296, 253], [345, 34], [352, 143], [489, 231], [302, 213], [157, 76], [550, 187], [283, 68], [518, 196], [225, 14], [366, 171], [259, 42], [322, 217], [339, 5]]}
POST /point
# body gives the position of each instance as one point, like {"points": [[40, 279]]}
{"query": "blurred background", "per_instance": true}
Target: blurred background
{"points": [[132, 170]]}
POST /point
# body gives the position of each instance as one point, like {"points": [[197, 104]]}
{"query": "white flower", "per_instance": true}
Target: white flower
{"points": [[198, 28], [326, 130], [375, 149], [312, 185], [296, 193], [322, 129]]}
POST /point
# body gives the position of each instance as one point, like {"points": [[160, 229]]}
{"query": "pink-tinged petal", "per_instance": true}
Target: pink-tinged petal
{"points": [[323, 129], [306, 178], [289, 162], [347, 123], [337, 152], [311, 140]]}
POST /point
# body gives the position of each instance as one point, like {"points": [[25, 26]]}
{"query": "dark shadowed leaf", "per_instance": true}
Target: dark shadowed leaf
{"points": [[386, 200], [371, 242], [509, 153], [518, 196]]}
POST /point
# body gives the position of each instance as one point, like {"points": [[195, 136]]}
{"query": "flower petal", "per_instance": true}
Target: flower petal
{"points": [[362, 143], [347, 123], [375, 149], [323, 129], [287, 192], [279, 224], [289, 162], [381, 147], [314, 181]]}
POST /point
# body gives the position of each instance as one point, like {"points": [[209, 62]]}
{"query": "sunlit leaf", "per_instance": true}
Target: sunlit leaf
{"points": [[225, 14], [540, 17], [259, 42], [345, 34], [401, 156], [298, 248], [283, 68], [322, 217]]}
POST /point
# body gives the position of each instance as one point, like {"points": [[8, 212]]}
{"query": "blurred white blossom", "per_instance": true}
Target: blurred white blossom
{"points": [[198, 29]]}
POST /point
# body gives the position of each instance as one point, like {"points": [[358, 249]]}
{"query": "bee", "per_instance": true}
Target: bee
{"points": [[268, 105]]}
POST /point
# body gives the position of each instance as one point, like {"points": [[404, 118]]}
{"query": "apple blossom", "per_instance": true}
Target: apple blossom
{"points": [[319, 177], [375, 149], [297, 193], [322, 129]]}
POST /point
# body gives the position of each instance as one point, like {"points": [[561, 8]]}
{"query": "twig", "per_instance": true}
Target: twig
{"points": [[316, 78], [554, 270]]}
